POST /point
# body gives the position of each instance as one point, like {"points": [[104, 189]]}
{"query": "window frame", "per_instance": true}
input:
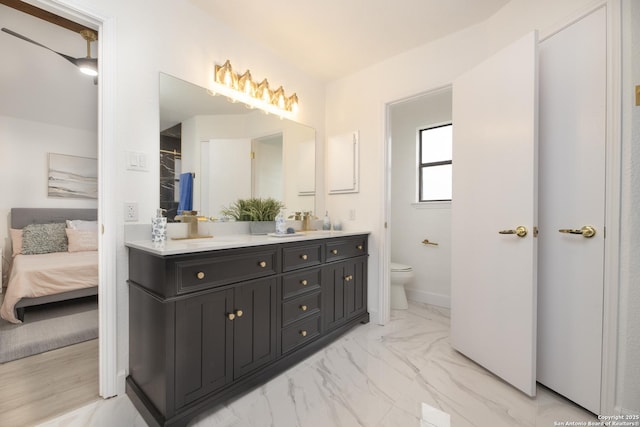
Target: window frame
{"points": [[422, 166]]}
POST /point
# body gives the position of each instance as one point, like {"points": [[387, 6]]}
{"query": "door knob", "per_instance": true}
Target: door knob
{"points": [[239, 313], [586, 231], [520, 231]]}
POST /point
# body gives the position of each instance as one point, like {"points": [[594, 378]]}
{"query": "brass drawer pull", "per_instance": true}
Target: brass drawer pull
{"points": [[303, 307], [262, 264], [303, 333], [231, 316], [239, 313], [304, 282], [334, 251], [359, 247], [200, 275], [304, 257]]}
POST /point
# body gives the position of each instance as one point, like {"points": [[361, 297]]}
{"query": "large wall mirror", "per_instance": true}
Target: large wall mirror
{"points": [[231, 151]]}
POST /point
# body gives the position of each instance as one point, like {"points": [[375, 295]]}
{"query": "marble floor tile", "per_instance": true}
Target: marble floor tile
{"points": [[401, 374]]}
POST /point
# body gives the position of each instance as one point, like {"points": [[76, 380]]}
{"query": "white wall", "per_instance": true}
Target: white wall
{"points": [[176, 38], [629, 315], [358, 101], [412, 222]]}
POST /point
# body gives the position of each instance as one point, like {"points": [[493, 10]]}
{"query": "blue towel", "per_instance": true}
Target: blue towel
{"points": [[186, 193]]}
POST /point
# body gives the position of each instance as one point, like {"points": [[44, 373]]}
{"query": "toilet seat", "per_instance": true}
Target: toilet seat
{"points": [[400, 267]]}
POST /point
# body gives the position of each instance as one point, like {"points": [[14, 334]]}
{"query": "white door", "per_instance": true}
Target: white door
{"points": [[493, 289], [572, 195], [229, 173]]}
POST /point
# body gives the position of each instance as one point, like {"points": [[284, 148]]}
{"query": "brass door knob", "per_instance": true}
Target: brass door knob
{"points": [[304, 282], [200, 275], [239, 313], [586, 231], [231, 316], [303, 307], [520, 231], [334, 251], [304, 257], [262, 264], [303, 333]]}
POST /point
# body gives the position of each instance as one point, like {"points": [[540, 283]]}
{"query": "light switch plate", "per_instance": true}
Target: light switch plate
{"points": [[137, 161]]}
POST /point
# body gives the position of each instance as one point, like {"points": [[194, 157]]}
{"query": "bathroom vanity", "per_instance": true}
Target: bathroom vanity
{"points": [[210, 320]]}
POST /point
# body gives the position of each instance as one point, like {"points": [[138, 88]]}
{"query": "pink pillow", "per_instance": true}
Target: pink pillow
{"points": [[16, 240], [82, 240]]}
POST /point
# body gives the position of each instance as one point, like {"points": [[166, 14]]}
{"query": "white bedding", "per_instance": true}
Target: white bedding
{"points": [[47, 274]]}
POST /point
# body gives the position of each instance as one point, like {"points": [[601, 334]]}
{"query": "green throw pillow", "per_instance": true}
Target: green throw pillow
{"points": [[44, 238]]}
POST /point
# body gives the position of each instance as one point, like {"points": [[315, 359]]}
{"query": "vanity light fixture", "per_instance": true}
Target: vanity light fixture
{"points": [[246, 84], [241, 87]]}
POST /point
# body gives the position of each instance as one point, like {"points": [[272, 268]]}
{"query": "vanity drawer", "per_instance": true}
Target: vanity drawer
{"points": [[299, 333], [301, 307], [301, 256], [346, 248], [218, 269], [299, 283]]}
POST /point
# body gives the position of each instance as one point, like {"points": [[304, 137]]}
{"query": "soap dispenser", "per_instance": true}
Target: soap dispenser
{"points": [[281, 225], [159, 227], [326, 222]]}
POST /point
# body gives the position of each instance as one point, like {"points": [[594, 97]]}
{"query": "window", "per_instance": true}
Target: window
{"points": [[435, 163]]}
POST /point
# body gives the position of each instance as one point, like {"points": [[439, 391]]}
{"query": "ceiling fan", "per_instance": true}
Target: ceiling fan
{"points": [[88, 65]]}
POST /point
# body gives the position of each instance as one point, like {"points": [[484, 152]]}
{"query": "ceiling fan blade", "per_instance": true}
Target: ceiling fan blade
{"points": [[27, 39]]}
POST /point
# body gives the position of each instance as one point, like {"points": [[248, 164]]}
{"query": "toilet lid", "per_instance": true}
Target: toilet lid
{"points": [[400, 267]]}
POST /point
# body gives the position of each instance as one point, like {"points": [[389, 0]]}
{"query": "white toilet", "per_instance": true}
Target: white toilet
{"points": [[400, 275]]}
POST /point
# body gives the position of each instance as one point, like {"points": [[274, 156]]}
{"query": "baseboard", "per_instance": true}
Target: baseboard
{"points": [[429, 298], [625, 412]]}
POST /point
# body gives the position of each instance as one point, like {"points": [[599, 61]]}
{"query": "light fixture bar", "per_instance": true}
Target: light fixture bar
{"points": [[243, 88]]}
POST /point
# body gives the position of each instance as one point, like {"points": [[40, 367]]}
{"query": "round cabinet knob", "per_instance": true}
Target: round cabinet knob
{"points": [[304, 257], [239, 313], [262, 264], [303, 333], [334, 251], [360, 247], [347, 278], [304, 282], [231, 316], [200, 275], [303, 307]]}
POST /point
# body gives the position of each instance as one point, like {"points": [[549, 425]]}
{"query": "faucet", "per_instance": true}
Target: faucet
{"points": [[191, 218]]}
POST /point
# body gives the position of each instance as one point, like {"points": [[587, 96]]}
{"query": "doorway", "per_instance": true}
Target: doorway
{"points": [[611, 223]]}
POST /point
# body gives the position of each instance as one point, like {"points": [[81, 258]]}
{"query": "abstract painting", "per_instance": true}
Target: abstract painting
{"points": [[72, 177]]}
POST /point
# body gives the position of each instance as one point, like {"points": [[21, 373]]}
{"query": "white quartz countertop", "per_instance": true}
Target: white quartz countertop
{"points": [[187, 246]]}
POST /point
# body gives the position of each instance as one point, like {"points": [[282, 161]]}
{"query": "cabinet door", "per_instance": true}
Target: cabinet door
{"points": [[203, 345], [254, 327], [354, 288], [333, 295]]}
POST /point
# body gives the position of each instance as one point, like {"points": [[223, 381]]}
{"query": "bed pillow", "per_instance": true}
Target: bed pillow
{"points": [[16, 240], [82, 240], [44, 238], [80, 224]]}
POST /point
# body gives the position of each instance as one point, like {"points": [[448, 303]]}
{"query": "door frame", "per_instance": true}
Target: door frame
{"points": [[612, 202], [107, 295]]}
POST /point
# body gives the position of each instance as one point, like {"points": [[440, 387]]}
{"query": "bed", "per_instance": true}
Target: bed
{"points": [[37, 279]]}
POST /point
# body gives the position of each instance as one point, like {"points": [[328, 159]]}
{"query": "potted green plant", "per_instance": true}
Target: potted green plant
{"points": [[261, 212]]}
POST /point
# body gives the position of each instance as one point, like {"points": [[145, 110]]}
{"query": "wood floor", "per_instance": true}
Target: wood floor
{"points": [[43, 386]]}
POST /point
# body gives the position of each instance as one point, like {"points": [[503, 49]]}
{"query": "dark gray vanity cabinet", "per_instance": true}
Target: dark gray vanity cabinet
{"points": [[208, 326], [221, 336]]}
